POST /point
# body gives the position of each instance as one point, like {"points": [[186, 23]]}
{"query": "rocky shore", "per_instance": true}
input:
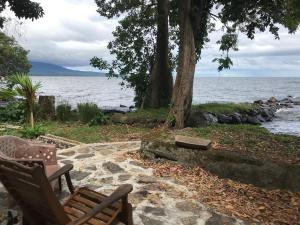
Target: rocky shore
{"points": [[261, 112]]}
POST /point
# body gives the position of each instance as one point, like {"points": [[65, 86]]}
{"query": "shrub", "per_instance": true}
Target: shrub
{"points": [[99, 119], [13, 112], [30, 133], [87, 112], [64, 112]]}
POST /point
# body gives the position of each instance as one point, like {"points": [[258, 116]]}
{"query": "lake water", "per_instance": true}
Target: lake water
{"points": [[106, 92]]}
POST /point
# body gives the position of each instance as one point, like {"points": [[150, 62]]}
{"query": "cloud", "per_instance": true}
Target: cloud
{"points": [[72, 32]]}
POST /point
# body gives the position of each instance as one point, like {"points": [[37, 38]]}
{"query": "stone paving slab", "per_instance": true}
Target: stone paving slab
{"points": [[103, 167]]}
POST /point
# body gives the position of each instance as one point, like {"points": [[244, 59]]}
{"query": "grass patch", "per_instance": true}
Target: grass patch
{"points": [[224, 108], [144, 115], [254, 140]]}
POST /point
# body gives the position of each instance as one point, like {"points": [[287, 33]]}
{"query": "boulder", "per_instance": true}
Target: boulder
{"points": [[253, 120], [198, 119], [272, 100], [225, 119], [236, 118], [259, 102]]}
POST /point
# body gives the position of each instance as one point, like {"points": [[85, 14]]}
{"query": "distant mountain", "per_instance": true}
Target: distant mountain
{"points": [[47, 69]]}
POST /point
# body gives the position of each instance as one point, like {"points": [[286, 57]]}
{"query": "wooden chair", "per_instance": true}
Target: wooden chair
{"points": [[33, 193], [22, 151]]}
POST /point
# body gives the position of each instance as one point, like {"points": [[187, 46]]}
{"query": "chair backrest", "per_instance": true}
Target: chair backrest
{"points": [[31, 190], [18, 148]]}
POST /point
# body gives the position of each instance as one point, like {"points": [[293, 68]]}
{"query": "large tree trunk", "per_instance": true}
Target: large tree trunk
{"points": [[183, 89], [161, 77]]}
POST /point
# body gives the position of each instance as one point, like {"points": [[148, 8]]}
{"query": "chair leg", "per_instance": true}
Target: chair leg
{"points": [[59, 184], [69, 182], [129, 215]]}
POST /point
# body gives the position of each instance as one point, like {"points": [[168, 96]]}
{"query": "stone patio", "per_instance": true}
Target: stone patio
{"points": [[103, 167]]}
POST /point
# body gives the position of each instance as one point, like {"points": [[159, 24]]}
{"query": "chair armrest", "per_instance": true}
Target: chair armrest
{"points": [[118, 194], [61, 171]]}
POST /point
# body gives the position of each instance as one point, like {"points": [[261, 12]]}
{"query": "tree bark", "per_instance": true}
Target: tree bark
{"points": [[161, 83], [183, 89]]}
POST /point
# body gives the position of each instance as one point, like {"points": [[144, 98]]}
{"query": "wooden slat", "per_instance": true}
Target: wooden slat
{"points": [[92, 204], [96, 196], [85, 209], [77, 214], [16, 174]]}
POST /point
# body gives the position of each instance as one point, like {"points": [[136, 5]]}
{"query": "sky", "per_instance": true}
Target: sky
{"points": [[71, 32]]}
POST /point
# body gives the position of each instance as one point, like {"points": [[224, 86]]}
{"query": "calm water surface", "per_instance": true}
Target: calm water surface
{"points": [[106, 92]]}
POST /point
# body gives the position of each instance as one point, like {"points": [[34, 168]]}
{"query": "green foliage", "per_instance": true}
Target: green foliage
{"points": [[133, 45], [23, 9], [13, 112], [100, 119], [224, 108], [21, 85], [64, 112], [33, 132], [13, 58], [87, 112]]}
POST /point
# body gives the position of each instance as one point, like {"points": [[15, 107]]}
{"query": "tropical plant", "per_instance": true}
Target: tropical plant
{"points": [[21, 85]]}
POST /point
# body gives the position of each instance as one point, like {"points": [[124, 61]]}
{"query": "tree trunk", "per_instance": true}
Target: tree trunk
{"points": [[183, 89], [161, 83], [31, 120]]}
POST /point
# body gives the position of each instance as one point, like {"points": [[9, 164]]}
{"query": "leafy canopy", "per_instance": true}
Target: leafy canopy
{"points": [[13, 58], [22, 8], [134, 43]]}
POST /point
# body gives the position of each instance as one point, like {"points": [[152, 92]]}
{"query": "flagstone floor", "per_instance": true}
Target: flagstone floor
{"points": [[103, 167]]}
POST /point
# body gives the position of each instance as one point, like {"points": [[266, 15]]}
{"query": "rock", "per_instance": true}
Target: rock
{"points": [[155, 211], [224, 119], [236, 118], [198, 119], [111, 167], [191, 142], [146, 179], [79, 175], [259, 102], [192, 220], [137, 197], [106, 180], [92, 167], [149, 221], [272, 100], [253, 120], [123, 106], [136, 163], [67, 153], [188, 206], [296, 101], [124, 177], [84, 156], [66, 161], [217, 219]]}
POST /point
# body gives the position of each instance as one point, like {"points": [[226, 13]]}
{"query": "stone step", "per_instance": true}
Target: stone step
{"points": [[60, 142], [192, 142]]}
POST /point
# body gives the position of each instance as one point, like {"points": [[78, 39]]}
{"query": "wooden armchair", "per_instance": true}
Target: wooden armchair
{"points": [[22, 151], [31, 189]]}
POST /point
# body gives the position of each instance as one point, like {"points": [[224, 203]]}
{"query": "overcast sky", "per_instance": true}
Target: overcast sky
{"points": [[72, 32]]}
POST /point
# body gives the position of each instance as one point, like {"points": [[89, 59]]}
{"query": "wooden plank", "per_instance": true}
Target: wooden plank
{"points": [[192, 142]]}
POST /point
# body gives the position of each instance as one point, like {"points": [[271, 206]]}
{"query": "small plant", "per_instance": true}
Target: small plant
{"points": [[87, 112], [33, 132], [13, 112], [64, 112], [100, 119]]}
